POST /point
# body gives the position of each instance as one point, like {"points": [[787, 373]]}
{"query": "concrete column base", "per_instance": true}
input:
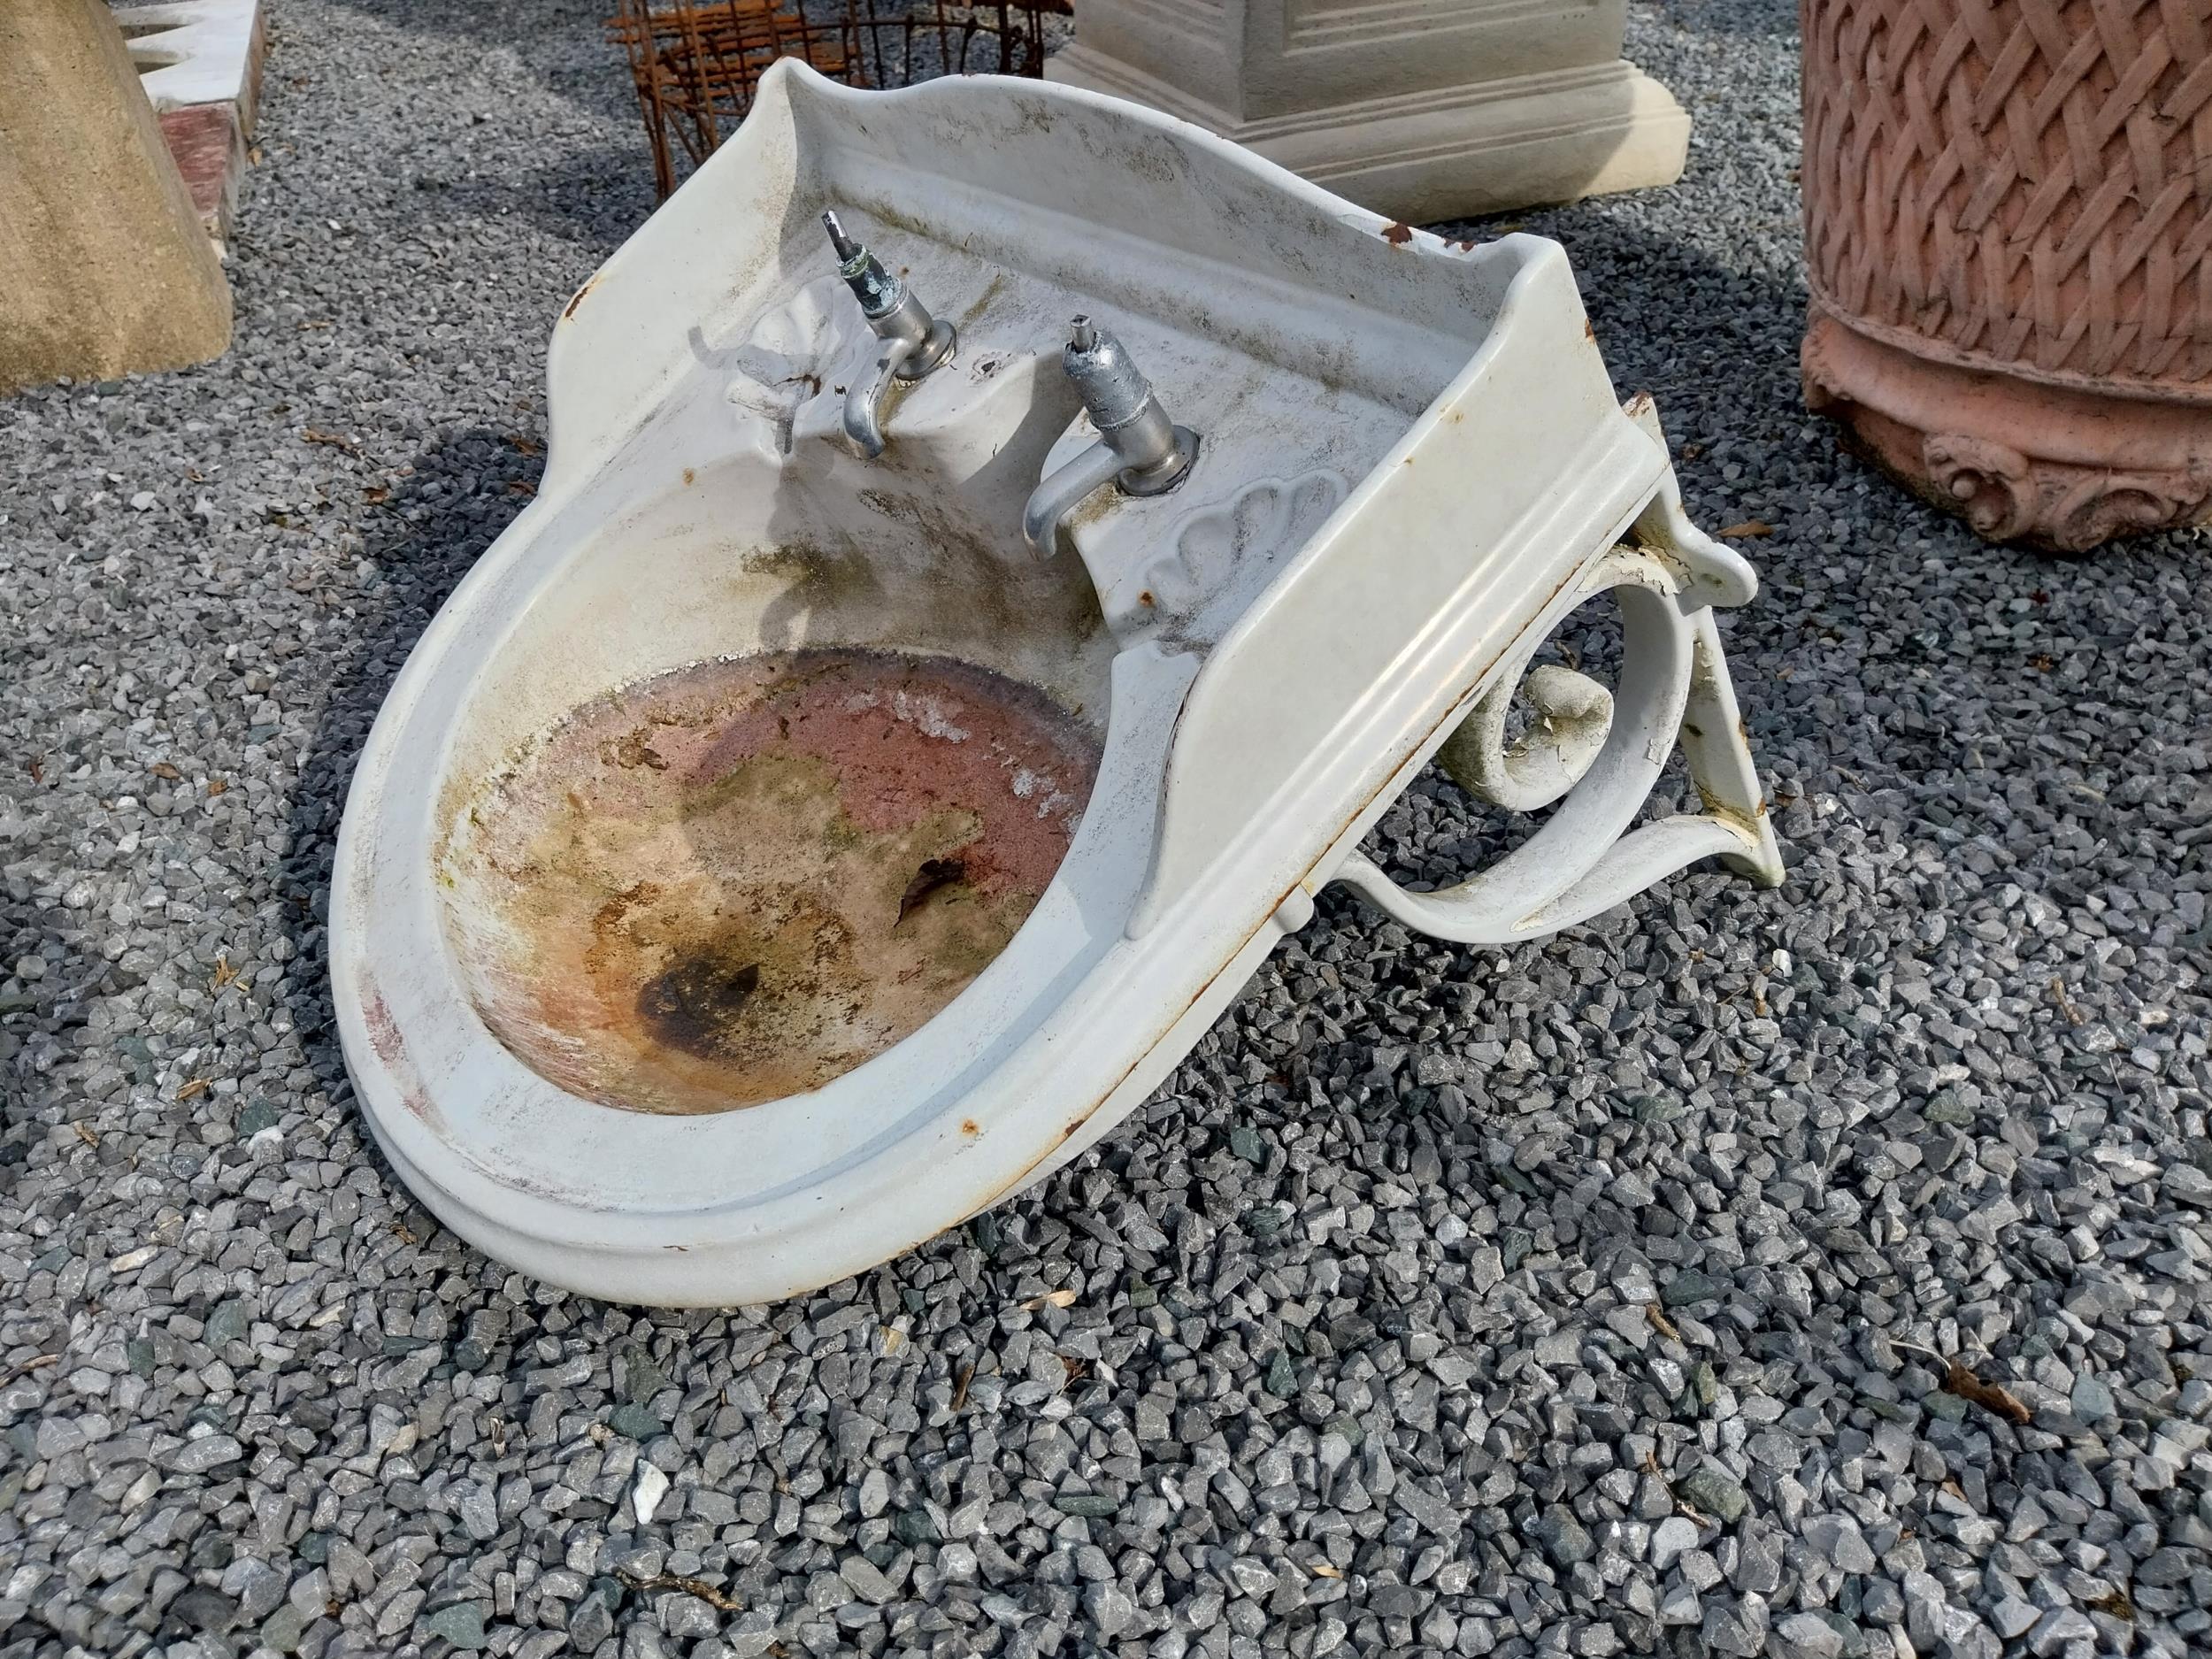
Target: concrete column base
{"points": [[1554, 136], [104, 269], [200, 63]]}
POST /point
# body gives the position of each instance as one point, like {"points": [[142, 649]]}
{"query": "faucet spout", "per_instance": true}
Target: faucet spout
{"points": [[1140, 450], [864, 399], [914, 342], [1061, 491]]}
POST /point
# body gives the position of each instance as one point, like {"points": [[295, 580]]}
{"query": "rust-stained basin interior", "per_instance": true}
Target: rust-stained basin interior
{"points": [[734, 881], [765, 775]]}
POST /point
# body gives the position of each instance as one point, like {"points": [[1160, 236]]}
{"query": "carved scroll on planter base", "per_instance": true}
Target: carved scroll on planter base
{"points": [[2050, 465], [2006, 214]]}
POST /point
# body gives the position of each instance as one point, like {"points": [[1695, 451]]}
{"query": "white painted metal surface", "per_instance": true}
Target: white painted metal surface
{"points": [[1413, 466]]}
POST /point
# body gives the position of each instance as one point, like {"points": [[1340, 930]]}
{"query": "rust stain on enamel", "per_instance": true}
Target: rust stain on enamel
{"points": [[739, 880], [391, 1049]]}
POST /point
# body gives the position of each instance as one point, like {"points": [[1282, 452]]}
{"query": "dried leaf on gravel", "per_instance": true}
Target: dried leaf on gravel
{"points": [[1749, 526], [194, 1089], [699, 1588], [335, 440], [1063, 1298], [2074, 1016], [1961, 1379], [2113, 1604]]}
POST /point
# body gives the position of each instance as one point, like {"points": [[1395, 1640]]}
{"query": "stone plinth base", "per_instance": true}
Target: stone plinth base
{"points": [[200, 62], [210, 156], [1554, 135]]}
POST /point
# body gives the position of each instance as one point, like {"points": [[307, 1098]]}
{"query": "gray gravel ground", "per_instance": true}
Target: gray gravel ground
{"points": [[1549, 1301]]}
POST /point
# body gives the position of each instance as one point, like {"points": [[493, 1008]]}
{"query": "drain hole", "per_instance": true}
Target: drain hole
{"points": [[935, 874], [695, 1006]]}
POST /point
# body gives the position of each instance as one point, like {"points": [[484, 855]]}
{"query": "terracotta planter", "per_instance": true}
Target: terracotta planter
{"points": [[2009, 241]]}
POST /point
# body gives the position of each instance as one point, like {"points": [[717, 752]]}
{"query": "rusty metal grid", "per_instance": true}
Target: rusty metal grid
{"points": [[696, 66]]}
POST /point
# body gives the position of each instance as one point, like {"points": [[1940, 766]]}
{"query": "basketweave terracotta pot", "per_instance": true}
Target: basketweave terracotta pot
{"points": [[2009, 242]]}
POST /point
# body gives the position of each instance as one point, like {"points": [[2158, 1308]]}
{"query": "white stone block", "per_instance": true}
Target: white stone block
{"points": [[1422, 109]]}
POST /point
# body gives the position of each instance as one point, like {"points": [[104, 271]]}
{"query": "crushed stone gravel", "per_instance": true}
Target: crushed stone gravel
{"points": [[1546, 1301]]}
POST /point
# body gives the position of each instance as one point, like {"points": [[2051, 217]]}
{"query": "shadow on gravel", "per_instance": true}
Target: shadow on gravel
{"points": [[463, 490], [592, 200], [1730, 17], [563, 42], [37, 1020]]}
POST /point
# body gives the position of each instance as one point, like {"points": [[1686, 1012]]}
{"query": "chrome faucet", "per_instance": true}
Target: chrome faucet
{"points": [[1139, 450], [914, 342]]}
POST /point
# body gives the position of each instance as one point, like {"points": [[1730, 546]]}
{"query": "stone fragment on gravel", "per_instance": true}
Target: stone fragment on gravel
{"points": [[1710, 1490], [1668, 1540], [1837, 1538], [461, 1625], [1563, 1537], [1808, 1636]]}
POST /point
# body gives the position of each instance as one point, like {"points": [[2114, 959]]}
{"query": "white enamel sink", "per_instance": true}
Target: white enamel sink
{"points": [[765, 860]]}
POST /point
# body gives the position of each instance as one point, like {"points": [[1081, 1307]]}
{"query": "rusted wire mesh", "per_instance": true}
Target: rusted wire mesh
{"points": [[697, 65]]}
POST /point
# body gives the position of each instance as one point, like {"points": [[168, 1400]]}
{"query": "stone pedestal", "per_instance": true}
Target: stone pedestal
{"points": [[1422, 109], [104, 269]]}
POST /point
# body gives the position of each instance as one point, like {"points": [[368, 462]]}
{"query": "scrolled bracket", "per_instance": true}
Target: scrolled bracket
{"points": [[1599, 755], [1573, 714]]}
